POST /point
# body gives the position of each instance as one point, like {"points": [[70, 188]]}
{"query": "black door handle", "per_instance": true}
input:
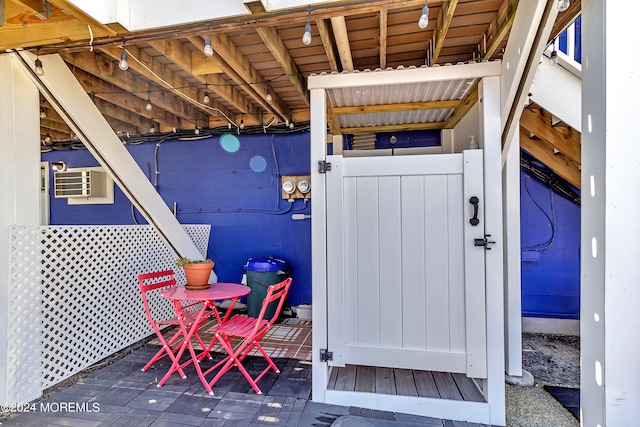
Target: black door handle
{"points": [[474, 201]]}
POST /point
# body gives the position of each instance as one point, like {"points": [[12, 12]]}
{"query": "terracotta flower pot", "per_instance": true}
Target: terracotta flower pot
{"points": [[197, 275]]}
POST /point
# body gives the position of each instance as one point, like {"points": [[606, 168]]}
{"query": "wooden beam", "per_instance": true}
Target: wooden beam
{"points": [[114, 111], [33, 6], [73, 10], [391, 108], [279, 50], [463, 109], [332, 119], [200, 64], [339, 26], [55, 125], [222, 87], [496, 37], [564, 139], [97, 77], [233, 57], [24, 30], [383, 38], [394, 128], [544, 152], [184, 102], [327, 42], [565, 18], [445, 16]]}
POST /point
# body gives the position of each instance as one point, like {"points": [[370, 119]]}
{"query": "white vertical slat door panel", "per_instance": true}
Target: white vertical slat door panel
{"points": [[436, 248], [335, 259], [413, 265], [456, 263], [390, 233], [368, 294]]}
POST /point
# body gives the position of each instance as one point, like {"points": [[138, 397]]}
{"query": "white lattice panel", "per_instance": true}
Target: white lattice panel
{"points": [[75, 298]]}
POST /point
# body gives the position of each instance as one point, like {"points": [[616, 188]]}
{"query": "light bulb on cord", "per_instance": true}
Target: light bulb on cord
{"points": [[241, 123], [149, 106], [423, 22], [43, 114], [563, 5], [306, 37], [208, 50], [554, 57], [123, 64], [153, 129], [39, 70], [196, 130], [269, 96], [206, 99]]}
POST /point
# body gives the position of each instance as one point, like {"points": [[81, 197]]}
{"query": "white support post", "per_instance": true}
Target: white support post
{"points": [[19, 185], [319, 243], [512, 296], [610, 235], [490, 140]]}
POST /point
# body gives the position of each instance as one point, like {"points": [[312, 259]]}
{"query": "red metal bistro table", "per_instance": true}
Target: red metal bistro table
{"points": [[215, 292]]}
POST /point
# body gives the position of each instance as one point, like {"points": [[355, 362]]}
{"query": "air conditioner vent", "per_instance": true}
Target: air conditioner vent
{"points": [[79, 183]]}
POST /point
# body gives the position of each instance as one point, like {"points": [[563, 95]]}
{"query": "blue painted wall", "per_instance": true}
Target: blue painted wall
{"points": [[550, 278], [237, 192]]}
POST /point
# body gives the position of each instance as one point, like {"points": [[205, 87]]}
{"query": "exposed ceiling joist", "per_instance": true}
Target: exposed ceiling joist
{"points": [[564, 139], [383, 38], [499, 28], [442, 27], [328, 43], [463, 109], [339, 26], [388, 108], [544, 152]]}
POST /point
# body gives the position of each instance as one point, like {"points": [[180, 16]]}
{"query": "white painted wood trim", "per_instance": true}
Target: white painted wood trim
{"points": [[442, 361], [19, 190], [489, 93], [512, 263], [405, 76], [474, 268], [320, 370], [477, 412], [384, 166]]}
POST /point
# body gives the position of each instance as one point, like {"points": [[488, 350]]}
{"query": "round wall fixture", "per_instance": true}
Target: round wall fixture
{"points": [[288, 186], [304, 186]]}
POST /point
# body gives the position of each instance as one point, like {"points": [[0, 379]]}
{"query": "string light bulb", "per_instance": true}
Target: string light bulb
{"points": [[153, 128], [123, 64], [43, 114], [208, 49], [38, 65], [205, 98], [563, 5], [306, 37], [196, 130], [423, 22], [242, 123], [148, 106], [269, 96]]}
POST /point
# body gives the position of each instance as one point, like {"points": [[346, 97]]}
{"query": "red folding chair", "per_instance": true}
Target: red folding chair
{"points": [[250, 330], [159, 280]]}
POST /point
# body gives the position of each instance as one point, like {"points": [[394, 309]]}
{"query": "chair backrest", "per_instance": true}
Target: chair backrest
{"points": [[152, 281], [277, 292]]}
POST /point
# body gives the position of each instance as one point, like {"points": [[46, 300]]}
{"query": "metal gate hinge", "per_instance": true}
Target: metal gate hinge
{"points": [[323, 166], [325, 355]]}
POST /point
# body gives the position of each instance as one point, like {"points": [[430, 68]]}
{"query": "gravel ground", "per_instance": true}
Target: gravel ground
{"points": [[552, 360]]}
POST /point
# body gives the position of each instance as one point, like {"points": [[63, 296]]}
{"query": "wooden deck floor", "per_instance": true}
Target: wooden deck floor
{"points": [[405, 382]]}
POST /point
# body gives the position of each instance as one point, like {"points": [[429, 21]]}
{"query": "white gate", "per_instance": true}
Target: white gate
{"points": [[406, 284]]}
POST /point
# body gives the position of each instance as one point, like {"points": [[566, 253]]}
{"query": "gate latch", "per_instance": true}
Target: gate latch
{"points": [[325, 355], [483, 242]]}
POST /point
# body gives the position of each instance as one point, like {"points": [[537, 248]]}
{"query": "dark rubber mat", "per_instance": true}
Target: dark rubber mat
{"points": [[567, 396]]}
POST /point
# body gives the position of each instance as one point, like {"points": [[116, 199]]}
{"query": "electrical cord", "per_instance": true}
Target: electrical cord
{"points": [[545, 246]]}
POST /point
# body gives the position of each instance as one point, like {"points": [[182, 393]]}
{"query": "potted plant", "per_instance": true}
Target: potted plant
{"points": [[196, 271]]}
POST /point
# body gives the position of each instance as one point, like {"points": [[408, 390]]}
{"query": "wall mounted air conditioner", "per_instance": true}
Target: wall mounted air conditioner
{"points": [[80, 183]]}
